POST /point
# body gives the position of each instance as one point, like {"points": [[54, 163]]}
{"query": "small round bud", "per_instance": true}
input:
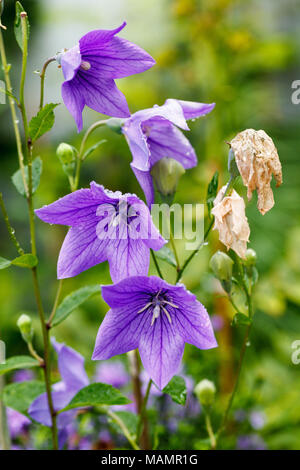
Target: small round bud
{"points": [[250, 258], [166, 174], [25, 326], [205, 392], [65, 153], [221, 265]]}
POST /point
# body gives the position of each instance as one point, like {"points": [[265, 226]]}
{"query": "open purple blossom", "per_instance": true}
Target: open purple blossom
{"points": [[153, 134], [74, 377], [157, 318], [90, 68], [105, 225]]}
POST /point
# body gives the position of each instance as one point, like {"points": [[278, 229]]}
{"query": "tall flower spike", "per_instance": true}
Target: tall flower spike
{"points": [[231, 221], [153, 134], [74, 377], [105, 225], [90, 68], [257, 159], [157, 318]]}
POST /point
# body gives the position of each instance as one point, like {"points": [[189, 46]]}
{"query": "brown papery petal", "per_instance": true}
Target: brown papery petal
{"points": [[257, 160]]}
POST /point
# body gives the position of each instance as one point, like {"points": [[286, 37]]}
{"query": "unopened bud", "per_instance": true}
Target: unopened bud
{"points": [[65, 153], [221, 265], [205, 392], [250, 258], [25, 326], [166, 174]]}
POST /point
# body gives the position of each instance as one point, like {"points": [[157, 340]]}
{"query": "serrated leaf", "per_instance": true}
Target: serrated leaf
{"points": [[92, 149], [18, 25], [167, 255], [241, 319], [129, 419], [18, 362], [212, 190], [73, 301], [37, 167], [25, 261], [42, 122], [4, 263], [97, 394], [176, 388], [20, 395]]}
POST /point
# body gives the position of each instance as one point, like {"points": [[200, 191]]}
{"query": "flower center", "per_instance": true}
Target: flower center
{"points": [[85, 65], [159, 304]]}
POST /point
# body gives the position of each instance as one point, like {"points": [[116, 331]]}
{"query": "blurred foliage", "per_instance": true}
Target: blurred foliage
{"points": [[243, 55]]}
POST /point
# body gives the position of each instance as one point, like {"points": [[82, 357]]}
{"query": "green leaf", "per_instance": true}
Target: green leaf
{"points": [[37, 166], [176, 388], [129, 419], [42, 122], [92, 149], [73, 301], [167, 255], [241, 319], [212, 191], [25, 261], [20, 395], [18, 362], [4, 263], [18, 25], [97, 394]]}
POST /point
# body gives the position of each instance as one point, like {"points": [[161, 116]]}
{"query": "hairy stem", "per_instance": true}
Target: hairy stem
{"points": [[42, 76]]}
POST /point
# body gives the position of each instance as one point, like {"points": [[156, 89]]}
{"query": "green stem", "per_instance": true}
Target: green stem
{"points": [[143, 410], [4, 432], [42, 76], [123, 428], [90, 130], [52, 315], [11, 231], [15, 120], [189, 259], [209, 429], [35, 354], [156, 264], [172, 241]]}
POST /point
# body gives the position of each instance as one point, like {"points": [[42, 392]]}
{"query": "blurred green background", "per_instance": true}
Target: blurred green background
{"points": [[243, 55]]}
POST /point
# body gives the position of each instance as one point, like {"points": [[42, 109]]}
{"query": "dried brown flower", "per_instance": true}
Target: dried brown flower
{"points": [[231, 221], [257, 159]]}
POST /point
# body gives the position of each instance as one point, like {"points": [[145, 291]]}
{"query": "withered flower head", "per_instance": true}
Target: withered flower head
{"points": [[257, 159], [231, 221]]}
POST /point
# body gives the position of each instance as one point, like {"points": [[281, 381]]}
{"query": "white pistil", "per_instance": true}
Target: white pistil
{"points": [[158, 306], [156, 313]]}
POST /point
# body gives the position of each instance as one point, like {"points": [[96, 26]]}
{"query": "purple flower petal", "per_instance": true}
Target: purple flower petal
{"points": [[193, 110], [74, 102], [70, 62], [92, 41], [71, 366], [156, 317]]}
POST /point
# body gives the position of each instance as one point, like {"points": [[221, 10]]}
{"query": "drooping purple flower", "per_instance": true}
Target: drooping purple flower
{"points": [[105, 225], [74, 377], [157, 318], [113, 373], [17, 422], [153, 134], [90, 68]]}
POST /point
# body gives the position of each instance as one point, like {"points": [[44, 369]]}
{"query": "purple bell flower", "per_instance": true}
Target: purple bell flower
{"points": [[157, 318], [153, 134], [74, 377], [91, 67], [105, 225]]}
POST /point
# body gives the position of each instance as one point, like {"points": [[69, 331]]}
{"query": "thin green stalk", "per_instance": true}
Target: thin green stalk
{"points": [[11, 231], [80, 155], [143, 410], [172, 241], [57, 296], [123, 428], [189, 259], [156, 264], [35, 354], [42, 76], [209, 429], [46, 368], [4, 432], [15, 120]]}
